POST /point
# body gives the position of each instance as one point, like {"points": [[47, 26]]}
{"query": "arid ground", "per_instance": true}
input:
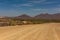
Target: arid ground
{"points": [[47, 31]]}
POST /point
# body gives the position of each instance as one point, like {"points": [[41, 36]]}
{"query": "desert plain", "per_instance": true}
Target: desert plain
{"points": [[46, 31]]}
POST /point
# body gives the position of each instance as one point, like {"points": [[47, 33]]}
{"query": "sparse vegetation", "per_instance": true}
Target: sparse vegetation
{"points": [[24, 19]]}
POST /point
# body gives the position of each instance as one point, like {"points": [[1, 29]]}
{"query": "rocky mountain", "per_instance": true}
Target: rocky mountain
{"points": [[48, 16], [24, 16]]}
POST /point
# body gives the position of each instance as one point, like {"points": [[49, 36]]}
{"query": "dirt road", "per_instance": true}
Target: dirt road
{"points": [[48, 31]]}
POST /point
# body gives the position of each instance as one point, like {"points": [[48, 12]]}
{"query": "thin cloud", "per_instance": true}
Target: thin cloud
{"points": [[27, 4], [37, 1], [42, 2], [49, 2], [23, 5], [49, 10]]}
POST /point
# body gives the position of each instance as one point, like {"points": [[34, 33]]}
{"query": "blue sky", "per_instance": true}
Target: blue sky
{"points": [[30, 7]]}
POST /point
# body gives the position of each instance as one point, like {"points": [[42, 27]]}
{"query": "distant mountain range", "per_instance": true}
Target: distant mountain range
{"points": [[40, 16]]}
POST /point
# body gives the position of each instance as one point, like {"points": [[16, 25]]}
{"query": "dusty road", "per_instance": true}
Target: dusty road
{"points": [[46, 31]]}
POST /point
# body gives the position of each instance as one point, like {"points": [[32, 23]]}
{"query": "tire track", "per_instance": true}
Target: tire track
{"points": [[14, 32], [32, 32], [55, 35], [27, 37], [22, 32], [32, 36], [43, 33]]}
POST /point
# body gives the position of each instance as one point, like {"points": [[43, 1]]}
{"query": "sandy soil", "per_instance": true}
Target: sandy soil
{"points": [[48, 31]]}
